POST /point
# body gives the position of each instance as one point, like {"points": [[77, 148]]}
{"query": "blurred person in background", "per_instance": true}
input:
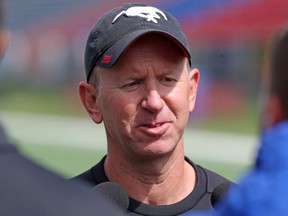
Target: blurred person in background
{"points": [[28, 189], [264, 190], [140, 84]]}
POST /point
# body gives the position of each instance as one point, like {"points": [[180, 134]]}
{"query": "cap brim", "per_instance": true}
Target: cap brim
{"points": [[114, 52]]}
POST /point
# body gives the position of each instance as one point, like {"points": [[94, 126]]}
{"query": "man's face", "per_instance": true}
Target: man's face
{"points": [[145, 99]]}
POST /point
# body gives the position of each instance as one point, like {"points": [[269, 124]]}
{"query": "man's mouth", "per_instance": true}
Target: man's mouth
{"points": [[154, 125], [156, 129]]}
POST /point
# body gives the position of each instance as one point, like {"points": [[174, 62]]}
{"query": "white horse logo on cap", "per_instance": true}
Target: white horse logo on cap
{"points": [[146, 12]]}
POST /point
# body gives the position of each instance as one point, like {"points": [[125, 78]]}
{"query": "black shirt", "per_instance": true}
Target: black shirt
{"points": [[198, 199]]}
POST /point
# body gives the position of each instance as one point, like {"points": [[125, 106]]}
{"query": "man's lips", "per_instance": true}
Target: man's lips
{"points": [[152, 125], [154, 129]]}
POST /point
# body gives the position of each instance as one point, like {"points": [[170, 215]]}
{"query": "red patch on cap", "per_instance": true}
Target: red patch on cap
{"points": [[106, 59]]}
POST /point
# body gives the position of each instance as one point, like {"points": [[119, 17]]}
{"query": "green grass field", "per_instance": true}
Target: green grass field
{"points": [[67, 102], [69, 161]]}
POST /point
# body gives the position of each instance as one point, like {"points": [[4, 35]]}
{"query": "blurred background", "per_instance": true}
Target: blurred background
{"points": [[39, 76]]}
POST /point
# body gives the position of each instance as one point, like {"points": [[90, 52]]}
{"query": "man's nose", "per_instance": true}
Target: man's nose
{"points": [[153, 101]]}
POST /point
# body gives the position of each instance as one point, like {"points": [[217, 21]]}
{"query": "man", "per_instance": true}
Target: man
{"points": [[264, 190], [28, 189], [141, 86]]}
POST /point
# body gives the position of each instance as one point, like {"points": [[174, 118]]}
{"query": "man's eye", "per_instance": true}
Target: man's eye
{"points": [[167, 79], [131, 84]]}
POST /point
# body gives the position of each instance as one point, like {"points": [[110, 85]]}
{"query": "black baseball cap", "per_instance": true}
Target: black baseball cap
{"points": [[119, 27]]}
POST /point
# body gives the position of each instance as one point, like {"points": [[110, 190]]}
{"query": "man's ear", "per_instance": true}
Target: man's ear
{"points": [[194, 76], [88, 97]]}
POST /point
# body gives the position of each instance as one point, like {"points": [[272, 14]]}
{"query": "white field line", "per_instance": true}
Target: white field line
{"points": [[83, 133]]}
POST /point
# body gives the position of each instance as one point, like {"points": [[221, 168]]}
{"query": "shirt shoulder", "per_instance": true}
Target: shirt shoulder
{"points": [[213, 187], [93, 176]]}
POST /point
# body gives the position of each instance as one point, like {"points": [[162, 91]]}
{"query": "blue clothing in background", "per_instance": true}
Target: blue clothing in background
{"points": [[264, 190]]}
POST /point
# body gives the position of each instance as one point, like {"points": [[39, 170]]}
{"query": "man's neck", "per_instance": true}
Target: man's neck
{"points": [[161, 181]]}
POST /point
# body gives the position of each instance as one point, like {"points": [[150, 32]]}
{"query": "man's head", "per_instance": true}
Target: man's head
{"points": [[276, 109], [145, 88], [118, 28]]}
